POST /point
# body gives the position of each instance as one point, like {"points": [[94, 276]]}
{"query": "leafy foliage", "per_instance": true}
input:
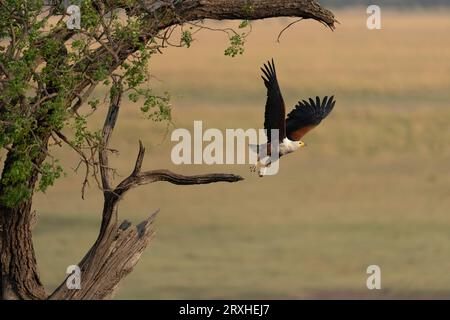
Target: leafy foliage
{"points": [[236, 46], [186, 38], [48, 73]]}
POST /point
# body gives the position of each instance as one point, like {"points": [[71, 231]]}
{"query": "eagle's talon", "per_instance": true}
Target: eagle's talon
{"points": [[254, 167]]}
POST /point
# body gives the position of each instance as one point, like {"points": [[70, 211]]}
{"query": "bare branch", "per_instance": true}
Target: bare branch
{"points": [[88, 162], [139, 160], [174, 178], [137, 178], [108, 128]]}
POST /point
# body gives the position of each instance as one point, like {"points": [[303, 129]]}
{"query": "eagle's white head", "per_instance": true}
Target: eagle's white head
{"points": [[288, 146], [301, 144]]}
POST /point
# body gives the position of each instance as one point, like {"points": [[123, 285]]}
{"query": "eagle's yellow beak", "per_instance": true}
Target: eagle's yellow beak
{"points": [[302, 144]]}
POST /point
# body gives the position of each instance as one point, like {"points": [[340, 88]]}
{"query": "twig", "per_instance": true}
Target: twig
{"points": [[287, 27]]}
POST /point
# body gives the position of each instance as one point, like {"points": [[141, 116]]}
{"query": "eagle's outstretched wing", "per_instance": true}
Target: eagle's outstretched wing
{"points": [[274, 117], [306, 116]]}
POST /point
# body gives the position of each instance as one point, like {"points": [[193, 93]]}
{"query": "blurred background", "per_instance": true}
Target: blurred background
{"points": [[373, 186]]}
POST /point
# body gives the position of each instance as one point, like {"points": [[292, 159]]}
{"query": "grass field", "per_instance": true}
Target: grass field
{"points": [[373, 187]]}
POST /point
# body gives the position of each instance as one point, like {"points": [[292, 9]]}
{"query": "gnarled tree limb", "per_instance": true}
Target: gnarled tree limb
{"points": [[138, 178], [190, 10]]}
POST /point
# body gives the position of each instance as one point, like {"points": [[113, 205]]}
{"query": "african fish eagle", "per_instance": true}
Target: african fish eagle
{"points": [[305, 116]]}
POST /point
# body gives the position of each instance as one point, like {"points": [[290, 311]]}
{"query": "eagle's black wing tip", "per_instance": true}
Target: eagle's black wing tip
{"points": [[312, 111], [269, 72], [269, 67], [328, 106], [331, 103]]}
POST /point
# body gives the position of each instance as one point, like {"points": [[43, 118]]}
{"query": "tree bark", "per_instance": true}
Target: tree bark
{"points": [[249, 9], [19, 278], [119, 247]]}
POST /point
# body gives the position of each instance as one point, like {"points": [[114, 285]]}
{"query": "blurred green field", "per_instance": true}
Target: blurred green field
{"points": [[373, 186]]}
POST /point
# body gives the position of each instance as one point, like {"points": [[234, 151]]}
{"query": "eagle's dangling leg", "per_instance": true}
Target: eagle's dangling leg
{"points": [[259, 165], [255, 148], [262, 172], [263, 167]]}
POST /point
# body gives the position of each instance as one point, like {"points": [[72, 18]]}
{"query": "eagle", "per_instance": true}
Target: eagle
{"points": [[305, 116]]}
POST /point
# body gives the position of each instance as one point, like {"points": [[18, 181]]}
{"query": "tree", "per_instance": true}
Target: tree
{"points": [[47, 75]]}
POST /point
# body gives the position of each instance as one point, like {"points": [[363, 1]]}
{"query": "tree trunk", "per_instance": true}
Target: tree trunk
{"points": [[19, 278], [111, 258]]}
